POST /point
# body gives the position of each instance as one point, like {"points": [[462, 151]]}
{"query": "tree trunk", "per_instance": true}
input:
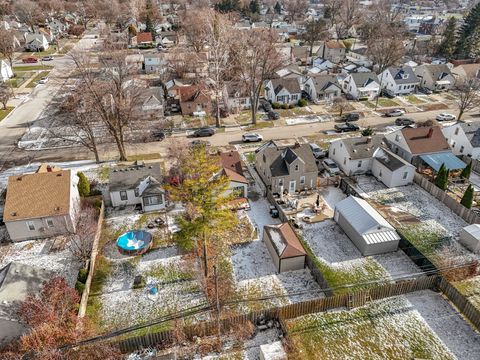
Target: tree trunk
{"points": [[254, 111], [121, 148], [460, 114], [217, 111], [205, 260]]}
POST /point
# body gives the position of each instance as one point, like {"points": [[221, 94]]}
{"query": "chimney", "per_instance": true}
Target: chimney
{"points": [[369, 139], [49, 168], [297, 145], [430, 132]]}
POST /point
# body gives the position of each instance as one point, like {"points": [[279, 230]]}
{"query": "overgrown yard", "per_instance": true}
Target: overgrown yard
{"points": [[386, 329], [412, 99], [471, 289]]}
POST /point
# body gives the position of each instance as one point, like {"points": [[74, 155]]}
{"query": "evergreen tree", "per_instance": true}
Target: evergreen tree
{"points": [[228, 5], [467, 170], [83, 185], [254, 7], [467, 199], [441, 180], [468, 44], [446, 47], [149, 26], [278, 8]]}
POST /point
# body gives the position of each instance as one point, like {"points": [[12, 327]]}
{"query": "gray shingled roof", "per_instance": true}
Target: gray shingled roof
{"points": [[389, 159], [362, 79], [472, 130], [278, 163], [438, 71], [128, 177], [291, 85], [399, 72], [322, 82], [362, 147]]}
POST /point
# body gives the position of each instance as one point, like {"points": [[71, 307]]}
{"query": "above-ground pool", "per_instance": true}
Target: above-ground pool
{"points": [[135, 242]]}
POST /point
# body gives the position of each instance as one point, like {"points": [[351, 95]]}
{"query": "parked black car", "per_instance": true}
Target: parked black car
{"points": [[346, 127], [402, 121], [350, 117], [387, 93], [158, 135], [272, 115], [266, 106], [204, 132]]}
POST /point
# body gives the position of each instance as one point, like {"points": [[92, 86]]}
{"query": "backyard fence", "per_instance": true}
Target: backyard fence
{"points": [[466, 214], [475, 163], [91, 266]]}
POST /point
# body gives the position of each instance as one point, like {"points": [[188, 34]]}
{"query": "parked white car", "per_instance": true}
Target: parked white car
{"points": [[252, 137], [395, 112], [445, 117], [331, 166], [43, 80]]}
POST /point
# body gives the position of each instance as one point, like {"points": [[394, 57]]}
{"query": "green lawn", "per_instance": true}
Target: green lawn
{"points": [[386, 329], [4, 113], [382, 102], [51, 50], [31, 68], [471, 289], [261, 125], [20, 78], [35, 80], [412, 99]]}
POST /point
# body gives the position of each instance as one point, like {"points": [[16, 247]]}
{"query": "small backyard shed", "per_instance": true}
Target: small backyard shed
{"points": [[367, 229], [284, 247], [470, 237]]}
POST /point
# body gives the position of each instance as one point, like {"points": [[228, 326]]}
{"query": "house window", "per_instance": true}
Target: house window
{"points": [[280, 182], [397, 137], [296, 167], [50, 223], [453, 145], [137, 193], [302, 180], [294, 97], [359, 163], [341, 144], [380, 173], [31, 225], [462, 148], [344, 161], [456, 131], [333, 151], [152, 200], [123, 195], [405, 174]]}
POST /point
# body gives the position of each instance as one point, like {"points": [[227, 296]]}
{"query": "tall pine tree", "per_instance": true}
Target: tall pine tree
{"points": [[467, 199], [441, 180], [446, 47], [468, 44], [254, 7], [467, 170]]}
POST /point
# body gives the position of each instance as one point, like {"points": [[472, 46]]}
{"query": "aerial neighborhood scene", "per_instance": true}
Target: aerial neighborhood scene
{"points": [[240, 179]]}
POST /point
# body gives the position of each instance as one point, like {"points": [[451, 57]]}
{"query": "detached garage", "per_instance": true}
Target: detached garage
{"points": [[284, 247], [367, 229], [470, 237]]}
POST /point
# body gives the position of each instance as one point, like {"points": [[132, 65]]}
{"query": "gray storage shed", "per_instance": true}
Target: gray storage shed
{"points": [[470, 237], [367, 229]]}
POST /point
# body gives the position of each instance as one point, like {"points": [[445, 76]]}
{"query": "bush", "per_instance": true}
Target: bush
{"points": [[95, 192], [79, 287], [97, 204], [467, 199], [285, 106], [82, 275], [83, 185], [367, 131], [302, 102], [276, 105], [291, 106]]}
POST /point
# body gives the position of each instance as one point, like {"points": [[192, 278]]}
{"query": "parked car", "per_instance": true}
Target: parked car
{"points": [[30, 60], [331, 166], [273, 115], [387, 93], [317, 151], [158, 135], [252, 137], [346, 127], [395, 112], [402, 121], [424, 90], [266, 106], [199, 143], [43, 80], [445, 117], [47, 58], [350, 117], [204, 132], [349, 97]]}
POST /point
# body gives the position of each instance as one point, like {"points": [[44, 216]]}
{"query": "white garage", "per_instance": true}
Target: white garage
{"points": [[470, 237], [367, 229]]}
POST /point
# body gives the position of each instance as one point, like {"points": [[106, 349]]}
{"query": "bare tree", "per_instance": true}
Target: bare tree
{"points": [[343, 15], [194, 28], [315, 30], [6, 93], [340, 105], [468, 95], [255, 59], [7, 45], [80, 244], [295, 8], [27, 12]]}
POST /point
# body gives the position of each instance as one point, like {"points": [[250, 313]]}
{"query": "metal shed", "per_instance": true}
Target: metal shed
{"points": [[367, 229], [470, 237]]}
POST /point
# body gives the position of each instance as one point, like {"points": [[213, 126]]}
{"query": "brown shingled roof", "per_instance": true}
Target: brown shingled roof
{"points": [[293, 247], [144, 37], [232, 166], [37, 195], [423, 140]]}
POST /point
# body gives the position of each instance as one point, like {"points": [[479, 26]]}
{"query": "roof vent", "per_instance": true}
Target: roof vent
{"points": [[114, 170], [57, 208], [150, 167], [19, 178], [59, 174], [13, 213]]}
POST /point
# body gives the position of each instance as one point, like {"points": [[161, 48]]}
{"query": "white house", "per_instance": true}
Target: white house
{"points": [[391, 169], [359, 57], [284, 91], [367, 229], [466, 71], [435, 77], [153, 62], [399, 80], [236, 97], [354, 156], [36, 42], [350, 68], [232, 168], [137, 184], [322, 87], [362, 85], [332, 50], [464, 138], [470, 237], [5, 71], [323, 64]]}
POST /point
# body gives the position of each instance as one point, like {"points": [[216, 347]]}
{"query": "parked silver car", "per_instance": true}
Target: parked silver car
{"points": [[253, 137]]}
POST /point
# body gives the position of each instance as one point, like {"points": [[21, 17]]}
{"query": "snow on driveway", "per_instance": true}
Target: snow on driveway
{"points": [[462, 340], [260, 215]]}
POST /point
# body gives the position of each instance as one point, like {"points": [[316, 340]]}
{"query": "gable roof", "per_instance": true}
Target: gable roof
{"points": [[471, 70], [291, 85], [403, 75], [232, 166], [190, 93], [284, 241], [333, 44], [362, 79], [426, 139], [130, 176], [472, 131], [388, 159], [274, 157], [362, 147], [144, 37], [32, 196], [323, 82], [437, 71]]}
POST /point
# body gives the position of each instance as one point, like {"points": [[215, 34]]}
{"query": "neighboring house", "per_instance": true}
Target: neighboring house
{"points": [[194, 100], [354, 156], [232, 168], [320, 65], [391, 169], [350, 68], [236, 97], [469, 237], [332, 50], [435, 77], [359, 57], [143, 39], [137, 184], [362, 85], [288, 169], [49, 35], [367, 229], [289, 72], [152, 105], [5, 71], [423, 144], [57, 26], [41, 205], [36, 42], [154, 63], [17, 281], [300, 55], [322, 87], [400, 80], [284, 91], [464, 138], [466, 71], [284, 247]]}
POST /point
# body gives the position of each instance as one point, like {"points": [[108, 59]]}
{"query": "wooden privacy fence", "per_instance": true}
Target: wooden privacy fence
{"points": [[208, 328]]}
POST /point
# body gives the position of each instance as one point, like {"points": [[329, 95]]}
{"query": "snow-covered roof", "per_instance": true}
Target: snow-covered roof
{"points": [[473, 230], [366, 221]]}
